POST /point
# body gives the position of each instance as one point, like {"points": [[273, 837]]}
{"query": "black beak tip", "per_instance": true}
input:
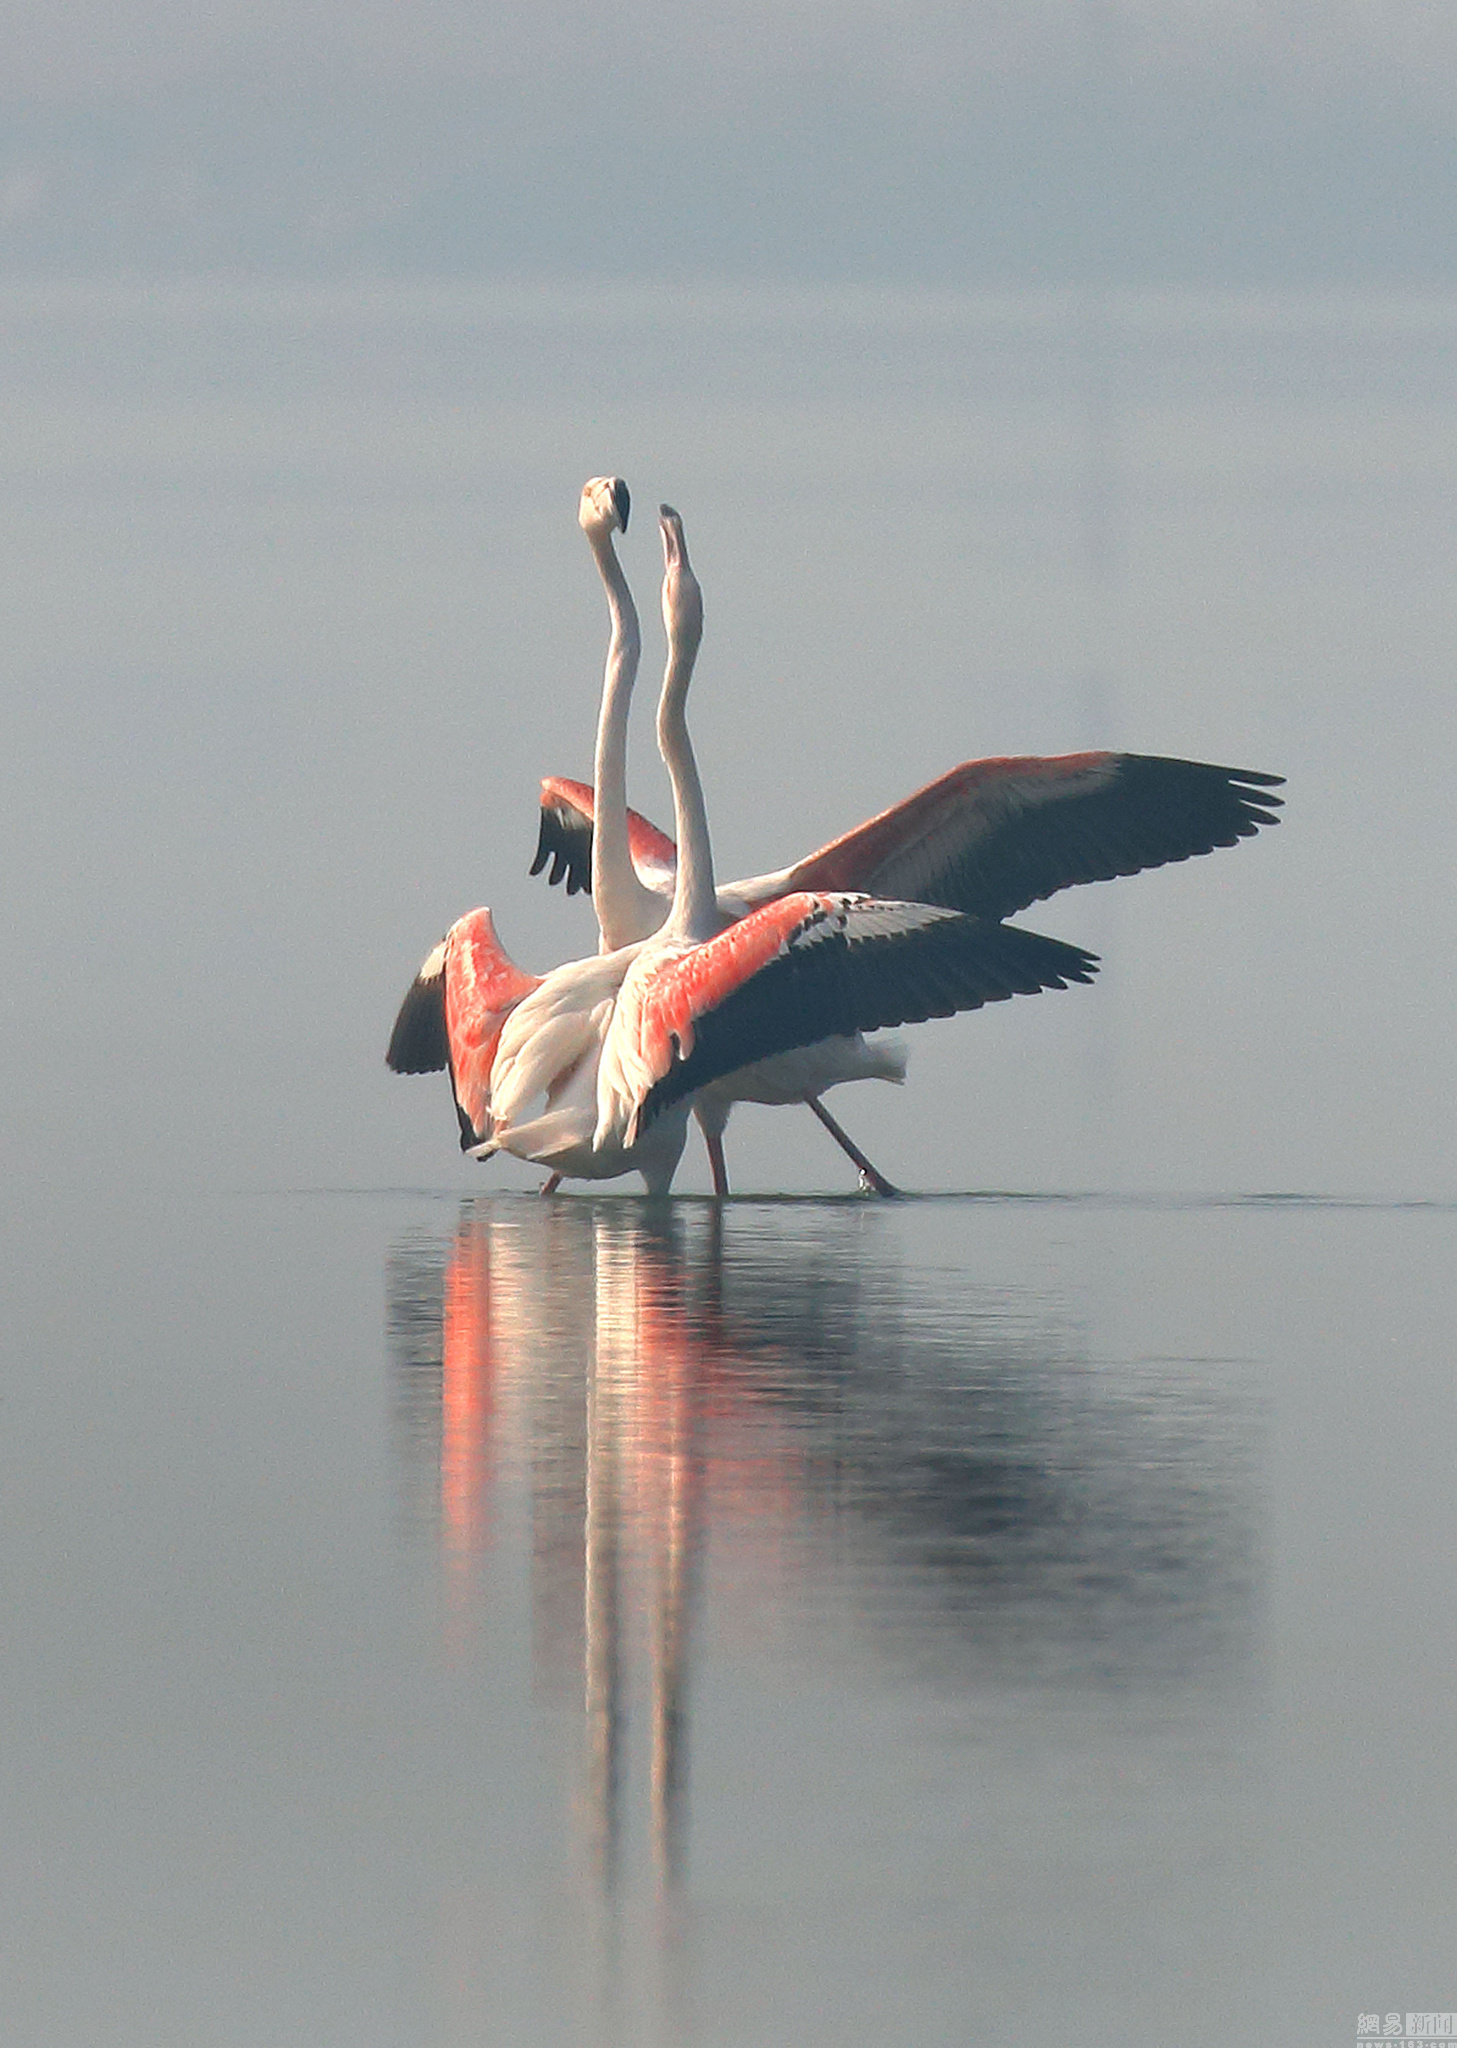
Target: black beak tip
{"points": [[622, 500]]}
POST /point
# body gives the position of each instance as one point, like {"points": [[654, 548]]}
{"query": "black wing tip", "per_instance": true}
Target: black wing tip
{"points": [[1033, 963], [1177, 810], [546, 840], [1254, 797], [470, 1137], [956, 965], [1238, 782], [564, 839], [1156, 761], [1254, 778], [419, 1044]]}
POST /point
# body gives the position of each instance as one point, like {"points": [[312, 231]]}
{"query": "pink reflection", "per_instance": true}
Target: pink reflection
{"points": [[584, 1348], [468, 1395]]}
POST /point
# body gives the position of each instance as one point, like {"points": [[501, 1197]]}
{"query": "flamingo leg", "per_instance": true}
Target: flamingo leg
{"points": [[871, 1179], [550, 1185], [714, 1142]]}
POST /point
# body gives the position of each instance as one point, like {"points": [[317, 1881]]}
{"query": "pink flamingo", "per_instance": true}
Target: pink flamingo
{"points": [[630, 908], [987, 839], [620, 1045]]}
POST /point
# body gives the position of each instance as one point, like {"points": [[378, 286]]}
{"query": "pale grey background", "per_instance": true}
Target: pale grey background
{"points": [[1140, 141], [299, 613], [1029, 377]]}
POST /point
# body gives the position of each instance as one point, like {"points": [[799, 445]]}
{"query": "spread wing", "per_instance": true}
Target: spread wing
{"points": [[993, 836], [987, 838], [418, 1044], [453, 1014], [565, 839], [813, 966]]}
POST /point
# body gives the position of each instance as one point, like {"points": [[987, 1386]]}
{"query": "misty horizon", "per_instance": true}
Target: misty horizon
{"points": [[1057, 144]]}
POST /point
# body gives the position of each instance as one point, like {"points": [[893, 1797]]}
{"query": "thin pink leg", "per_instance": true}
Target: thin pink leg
{"points": [[870, 1177], [716, 1163], [551, 1184]]}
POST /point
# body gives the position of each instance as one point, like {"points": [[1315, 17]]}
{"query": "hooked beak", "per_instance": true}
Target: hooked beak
{"points": [[675, 551], [621, 502]]}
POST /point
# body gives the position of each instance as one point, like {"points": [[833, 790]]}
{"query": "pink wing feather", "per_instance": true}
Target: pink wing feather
{"points": [[989, 837], [813, 965], [964, 802], [483, 985]]}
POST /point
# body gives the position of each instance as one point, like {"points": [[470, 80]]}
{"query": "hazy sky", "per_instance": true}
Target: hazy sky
{"points": [[1149, 141]]}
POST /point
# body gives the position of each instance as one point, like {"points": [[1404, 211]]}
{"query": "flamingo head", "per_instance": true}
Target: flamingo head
{"points": [[682, 595], [604, 507]]}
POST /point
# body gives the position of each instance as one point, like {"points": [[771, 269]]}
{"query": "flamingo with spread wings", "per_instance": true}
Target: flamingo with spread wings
{"points": [[988, 838], [590, 1070], [629, 908]]}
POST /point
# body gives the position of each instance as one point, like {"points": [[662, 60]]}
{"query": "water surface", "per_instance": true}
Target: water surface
{"points": [[444, 1621]]}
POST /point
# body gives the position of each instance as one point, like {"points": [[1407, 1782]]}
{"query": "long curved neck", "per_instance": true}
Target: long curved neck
{"points": [[695, 907], [614, 880]]}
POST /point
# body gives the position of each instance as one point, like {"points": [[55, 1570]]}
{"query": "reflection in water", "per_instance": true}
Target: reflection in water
{"points": [[936, 1472], [641, 1390]]}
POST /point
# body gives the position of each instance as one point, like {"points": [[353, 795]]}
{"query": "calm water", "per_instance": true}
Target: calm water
{"points": [[439, 1621]]}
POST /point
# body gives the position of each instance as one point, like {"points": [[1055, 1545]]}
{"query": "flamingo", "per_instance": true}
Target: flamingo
{"points": [[630, 908], [621, 1044], [987, 838], [627, 907]]}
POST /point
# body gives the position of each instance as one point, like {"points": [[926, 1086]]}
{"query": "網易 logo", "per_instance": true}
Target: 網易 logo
{"points": [[1408, 2026]]}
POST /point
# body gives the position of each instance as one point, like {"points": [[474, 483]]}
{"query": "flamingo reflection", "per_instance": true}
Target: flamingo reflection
{"points": [[642, 1475], [468, 1393], [612, 1470], [595, 1386]]}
